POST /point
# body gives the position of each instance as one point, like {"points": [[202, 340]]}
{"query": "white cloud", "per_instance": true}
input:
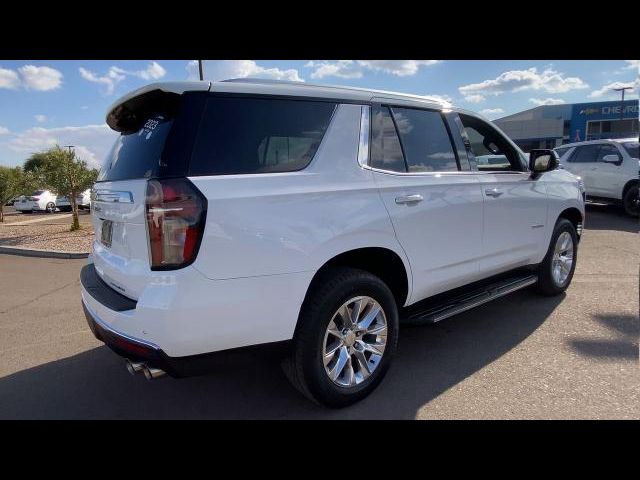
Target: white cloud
{"points": [[547, 101], [491, 112], [400, 68], [607, 90], [357, 68], [633, 65], [154, 71], [92, 142], [441, 98], [9, 79], [474, 98], [31, 77], [340, 69], [40, 78], [115, 75], [109, 80], [4, 130], [549, 81], [40, 118], [216, 70]]}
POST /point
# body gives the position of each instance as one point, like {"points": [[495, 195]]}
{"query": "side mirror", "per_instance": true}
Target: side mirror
{"points": [[543, 160], [611, 159]]}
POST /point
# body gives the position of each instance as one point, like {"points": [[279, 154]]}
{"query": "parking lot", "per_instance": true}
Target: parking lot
{"points": [[522, 356]]}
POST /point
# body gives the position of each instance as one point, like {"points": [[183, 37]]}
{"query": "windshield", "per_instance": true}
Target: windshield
{"points": [[632, 149]]}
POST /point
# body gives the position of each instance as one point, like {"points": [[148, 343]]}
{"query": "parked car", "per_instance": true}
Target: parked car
{"points": [[38, 201], [244, 213], [609, 169], [83, 201]]}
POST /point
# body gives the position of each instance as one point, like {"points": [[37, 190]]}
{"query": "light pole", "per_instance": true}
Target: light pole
{"points": [[200, 69], [69, 147], [622, 89]]}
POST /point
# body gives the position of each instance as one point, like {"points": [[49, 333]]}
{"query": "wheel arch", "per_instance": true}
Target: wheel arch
{"points": [[628, 185], [382, 262], [575, 217]]}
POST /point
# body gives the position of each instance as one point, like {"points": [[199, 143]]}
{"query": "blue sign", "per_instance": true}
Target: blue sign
{"points": [[582, 113]]}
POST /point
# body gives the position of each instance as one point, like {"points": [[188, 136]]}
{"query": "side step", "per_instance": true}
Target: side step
{"points": [[447, 307]]}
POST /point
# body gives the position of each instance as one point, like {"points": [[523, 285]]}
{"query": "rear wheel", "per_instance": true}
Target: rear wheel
{"points": [[51, 207], [346, 338], [631, 201], [557, 268]]}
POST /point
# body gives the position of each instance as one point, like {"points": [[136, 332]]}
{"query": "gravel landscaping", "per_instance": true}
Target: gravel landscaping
{"points": [[47, 237]]}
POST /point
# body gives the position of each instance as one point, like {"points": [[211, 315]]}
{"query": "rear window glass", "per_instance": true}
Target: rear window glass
{"points": [[258, 135], [38, 192], [137, 155]]}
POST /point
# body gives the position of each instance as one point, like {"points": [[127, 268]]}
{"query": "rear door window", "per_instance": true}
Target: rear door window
{"points": [[585, 154], [425, 140], [244, 135]]}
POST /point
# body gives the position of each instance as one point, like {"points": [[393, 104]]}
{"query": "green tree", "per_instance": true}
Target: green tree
{"points": [[67, 175], [13, 182], [35, 162]]}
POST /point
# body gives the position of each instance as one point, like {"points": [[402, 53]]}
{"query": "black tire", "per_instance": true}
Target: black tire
{"points": [[50, 208], [631, 201], [305, 367], [547, 285]]}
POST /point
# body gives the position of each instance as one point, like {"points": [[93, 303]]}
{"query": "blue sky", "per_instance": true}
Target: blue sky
{"points": [[44, 102]]}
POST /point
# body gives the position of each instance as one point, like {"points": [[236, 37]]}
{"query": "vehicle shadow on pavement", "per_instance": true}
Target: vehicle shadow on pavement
{"points": [[609, 217], [430, 360], [626, 327]]}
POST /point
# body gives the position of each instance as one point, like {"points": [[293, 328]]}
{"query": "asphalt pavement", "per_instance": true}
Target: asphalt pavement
{"points": [[522, 356]]}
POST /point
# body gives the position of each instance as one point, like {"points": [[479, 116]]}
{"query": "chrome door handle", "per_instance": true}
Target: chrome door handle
{"points": [[409, 199], [493, 192]]}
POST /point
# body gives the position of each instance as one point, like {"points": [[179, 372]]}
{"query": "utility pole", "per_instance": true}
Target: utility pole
{"points": [[202, 75], [69, 147], [622, 89]]}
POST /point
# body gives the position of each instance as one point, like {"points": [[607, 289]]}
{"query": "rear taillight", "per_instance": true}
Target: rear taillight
{"points": [[176, 212]]}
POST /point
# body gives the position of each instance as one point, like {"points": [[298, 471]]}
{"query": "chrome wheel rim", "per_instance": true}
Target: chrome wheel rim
{"points": [[562, 258], [354, 341]]}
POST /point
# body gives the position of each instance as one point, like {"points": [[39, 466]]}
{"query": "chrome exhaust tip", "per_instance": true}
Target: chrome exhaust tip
{"points": [[134, 367], [150, 373]]}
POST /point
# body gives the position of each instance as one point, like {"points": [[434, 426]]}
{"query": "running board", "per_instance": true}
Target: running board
{"points": [[467, 301]]}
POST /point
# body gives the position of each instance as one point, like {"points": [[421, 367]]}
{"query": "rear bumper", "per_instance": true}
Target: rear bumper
{"points": [[189, 324]]}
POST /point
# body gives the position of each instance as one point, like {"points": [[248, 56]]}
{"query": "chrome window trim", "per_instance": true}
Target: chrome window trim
{"points": [[363, 145]]}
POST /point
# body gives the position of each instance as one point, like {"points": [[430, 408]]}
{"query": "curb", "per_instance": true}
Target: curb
{"points": [[28, 252]]}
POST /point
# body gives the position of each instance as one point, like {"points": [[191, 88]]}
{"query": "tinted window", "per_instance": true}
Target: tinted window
{"points": [[491, 150], [137, 155], [386, 152], [632, 149], [425, 140], [585, 154], [562, 151], [608, 150], [258, 135]]}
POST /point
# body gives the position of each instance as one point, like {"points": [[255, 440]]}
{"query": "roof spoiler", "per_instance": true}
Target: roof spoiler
{"points": [[127, 113]]}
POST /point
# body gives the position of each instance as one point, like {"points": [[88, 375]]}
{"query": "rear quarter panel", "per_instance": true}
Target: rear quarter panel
{"points": [[282, 223]]}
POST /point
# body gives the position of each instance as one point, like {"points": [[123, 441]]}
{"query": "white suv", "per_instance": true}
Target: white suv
{"points": [[317, 218], [609, 169]]}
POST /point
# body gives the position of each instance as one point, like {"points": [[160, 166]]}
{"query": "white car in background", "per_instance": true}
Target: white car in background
{"points": [[609, 169], [38, 201], [83, 200]]}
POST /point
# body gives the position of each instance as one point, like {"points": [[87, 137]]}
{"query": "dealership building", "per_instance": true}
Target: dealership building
{"points": [[548, 126]]}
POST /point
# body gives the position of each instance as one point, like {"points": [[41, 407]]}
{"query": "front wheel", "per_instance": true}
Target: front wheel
{"points": [[557, 268], [346, 338], [631, 201]]}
